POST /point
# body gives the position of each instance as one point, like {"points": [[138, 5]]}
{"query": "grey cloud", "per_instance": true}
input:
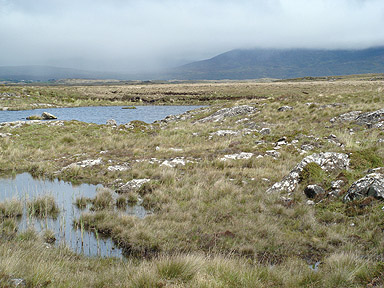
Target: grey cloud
{"points": [[148, 34]]}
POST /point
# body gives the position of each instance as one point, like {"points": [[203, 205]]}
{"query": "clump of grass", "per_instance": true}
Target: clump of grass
{"points": [[81, 202], [43, 207], [28, 235], [12, 208], [121, 202], [34, 117], [103, 199], [49, 236], [8, 228], [312, 174], [67, 140], [177, 269], [132, 198], [366, 159]]}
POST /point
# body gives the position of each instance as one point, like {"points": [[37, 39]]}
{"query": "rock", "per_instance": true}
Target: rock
{"points": [[311, 191], [17, 282], [132, 185], [285, 108], [370, 185], [370, 118], [175, 162], [307, 147], [265, 131], [224, 133], [328, 161], [310, 202], [47, 116], [5, 135], [229, 112], [281, 141], [118, 168], [241, 155], [111, 122], [272, 153], [337, 184], [346, 117]]}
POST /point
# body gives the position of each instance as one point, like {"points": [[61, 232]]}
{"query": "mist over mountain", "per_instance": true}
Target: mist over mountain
{"points": [[235, 65], [283, 63]]}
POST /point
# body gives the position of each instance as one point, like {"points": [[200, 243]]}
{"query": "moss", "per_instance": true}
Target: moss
{"points": [[312, 174], [366, 159]]}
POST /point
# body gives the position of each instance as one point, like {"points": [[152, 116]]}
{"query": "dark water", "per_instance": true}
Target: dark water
{"points": [[100, 114], [24, 187]]}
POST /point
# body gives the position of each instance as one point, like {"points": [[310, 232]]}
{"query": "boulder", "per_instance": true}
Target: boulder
{"points": [[370, 185], [132, 185], [328, 161], [285, 108], [111, 122], [311, 191], [47, 116], [346, 117], [370, 118], [229, 112], [265, 131]]}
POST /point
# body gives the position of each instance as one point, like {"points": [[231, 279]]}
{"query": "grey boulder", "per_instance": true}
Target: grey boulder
{"points": [[311, 191], [370, 185]]}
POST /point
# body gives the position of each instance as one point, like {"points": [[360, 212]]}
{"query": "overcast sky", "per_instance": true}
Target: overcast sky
{"points": [[134, 35]]}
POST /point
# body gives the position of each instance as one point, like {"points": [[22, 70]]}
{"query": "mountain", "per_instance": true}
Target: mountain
{"points": [[283, 64], [46, 73]]}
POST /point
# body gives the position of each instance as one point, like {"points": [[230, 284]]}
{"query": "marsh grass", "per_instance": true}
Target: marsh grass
{"points": [[11, 208], [43, 206], [103, 199]]}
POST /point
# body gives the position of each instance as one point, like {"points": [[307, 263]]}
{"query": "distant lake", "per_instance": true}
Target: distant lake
{"points": [[100, 114]]}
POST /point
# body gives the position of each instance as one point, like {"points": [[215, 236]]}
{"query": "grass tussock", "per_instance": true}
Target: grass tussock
{"points": [[44, 206]]}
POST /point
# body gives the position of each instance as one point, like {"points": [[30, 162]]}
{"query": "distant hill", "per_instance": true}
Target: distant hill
{"points": [[234, 65], [46, 73], [283, 64]]}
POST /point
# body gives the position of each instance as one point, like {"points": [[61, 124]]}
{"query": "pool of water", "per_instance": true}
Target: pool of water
{"points": [[25, 188], [100, 114]]}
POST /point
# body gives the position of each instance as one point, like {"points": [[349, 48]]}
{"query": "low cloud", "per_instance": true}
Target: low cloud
{"points": [[119, 35]]}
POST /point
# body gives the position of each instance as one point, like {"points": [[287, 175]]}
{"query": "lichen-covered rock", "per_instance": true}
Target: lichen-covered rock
{"points": [[48, 116], [346, 117], [229, 112], [132, 185], [238, 156], [111, 122], [370, 185], [328, 161], [285, 108], [225, 133], [311, 191], [370, 117]]}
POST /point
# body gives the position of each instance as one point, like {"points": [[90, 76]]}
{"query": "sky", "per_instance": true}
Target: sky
{"points": [[146, 35]]}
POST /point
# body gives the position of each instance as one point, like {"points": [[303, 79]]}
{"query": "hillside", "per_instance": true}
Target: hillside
{"points": [[283, 64]]}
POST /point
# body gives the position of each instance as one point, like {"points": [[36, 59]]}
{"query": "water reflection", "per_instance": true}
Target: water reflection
{"points": [[25, 188]]}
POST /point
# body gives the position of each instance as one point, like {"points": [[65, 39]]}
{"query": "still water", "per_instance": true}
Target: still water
{"points": [[26, 188], [100, 114]]}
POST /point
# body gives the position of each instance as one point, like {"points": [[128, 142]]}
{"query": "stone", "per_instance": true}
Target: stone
{"points": [[272, 153], [172, 163], [285, 108], [224, 133], [117, 168], [346, 117], [132, 185], [370, 185], [328, 161], [229, 112], [312, 191], [111, 122], [337, 184], [265, 131], [238, 156], [307, 147], [370, 118], [48, 116]]}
